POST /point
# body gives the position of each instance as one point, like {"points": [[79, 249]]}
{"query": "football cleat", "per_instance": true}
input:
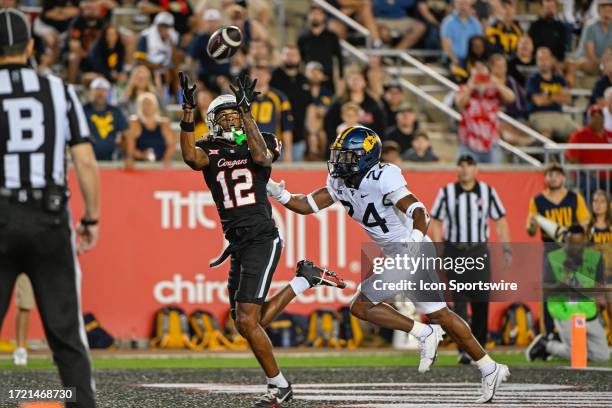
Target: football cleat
{"points": [[491, 382], [274, 397], [537, 348], [315, 275], [429, 347], [20, 357]]}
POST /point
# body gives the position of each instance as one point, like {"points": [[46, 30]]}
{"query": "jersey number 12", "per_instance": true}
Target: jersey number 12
{"points": [[245, 183]]}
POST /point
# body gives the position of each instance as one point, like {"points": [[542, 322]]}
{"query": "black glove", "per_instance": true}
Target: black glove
{"points": [[188, 92], [244, 90]]}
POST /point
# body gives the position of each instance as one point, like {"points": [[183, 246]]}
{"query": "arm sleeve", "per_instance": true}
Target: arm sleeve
{"points": [[582, 212], [438, 211], [573, 153], [121, 122], [444, 28], [330, 189], [532, 87], [141, 48], [496, 208], [274, 145], [77, 121]]}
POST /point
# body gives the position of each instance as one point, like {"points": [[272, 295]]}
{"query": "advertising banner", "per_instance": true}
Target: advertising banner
{"points": [[159, 230]]}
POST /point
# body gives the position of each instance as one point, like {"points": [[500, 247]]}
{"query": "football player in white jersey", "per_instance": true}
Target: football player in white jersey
{"points": [[376, 196]]}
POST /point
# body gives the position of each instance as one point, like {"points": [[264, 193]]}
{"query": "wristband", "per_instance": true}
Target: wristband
{"points": [[416, 235], [284, 197], [187, 126], [88, 223], [312, 203]]}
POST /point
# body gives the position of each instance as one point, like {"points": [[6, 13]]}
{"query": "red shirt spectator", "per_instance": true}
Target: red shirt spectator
{"points": [[479, 126], [594, 132]]}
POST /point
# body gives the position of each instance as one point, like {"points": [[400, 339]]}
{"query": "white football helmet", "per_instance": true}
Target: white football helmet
{"points": [[219, 103]]}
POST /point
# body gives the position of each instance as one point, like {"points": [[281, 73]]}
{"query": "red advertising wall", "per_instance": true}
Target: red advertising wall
{"points": [[159, 231]]}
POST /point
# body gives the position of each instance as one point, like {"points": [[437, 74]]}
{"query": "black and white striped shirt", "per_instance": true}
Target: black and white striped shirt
{"points": [[39, 116], [465, 214]]}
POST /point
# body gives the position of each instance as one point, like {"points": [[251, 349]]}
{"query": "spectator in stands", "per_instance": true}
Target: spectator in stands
{"points": [[83, 32], [456, 31], [578, 13], [479, 50], [156, 43], [106, 122], [405, 128], [505, 32], [604, 81], [522, 64], [251, 29], [350, 112], [432, 13], [548, 31], [272, 110], [288, 79], [479, 103], [139, 82], [261, 52], [322, 98], [499, 69], [546, 92], [596, 39], [213, 74], [150, 136], [392, 99], [421, 150], [395, 18], [107, 55], [320, 44], [180, 9], [321, 95], [607, 109], [595, 133], [372, 114], [600, 233], [360, 11], [53, 22], [391, 153]]}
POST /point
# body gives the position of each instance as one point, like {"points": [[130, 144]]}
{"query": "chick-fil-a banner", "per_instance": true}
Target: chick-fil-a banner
{"points": [[159, 229]]}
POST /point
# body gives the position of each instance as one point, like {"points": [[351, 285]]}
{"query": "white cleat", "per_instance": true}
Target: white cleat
{"points": [[20, 357], [491, 382], [429, 348]]}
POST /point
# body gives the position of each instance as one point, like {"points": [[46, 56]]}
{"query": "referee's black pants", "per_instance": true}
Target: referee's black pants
{"points": [[478, 300], [40, 244]]}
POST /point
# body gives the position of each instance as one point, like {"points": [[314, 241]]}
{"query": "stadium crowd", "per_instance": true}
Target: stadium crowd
{"points": [[310, 90]]}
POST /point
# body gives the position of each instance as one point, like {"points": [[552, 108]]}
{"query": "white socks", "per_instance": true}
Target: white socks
{"points": [[280, 381], [299, 284], [420, 330], [486, 365]]}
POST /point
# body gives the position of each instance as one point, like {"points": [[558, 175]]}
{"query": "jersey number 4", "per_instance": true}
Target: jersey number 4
{"points": [[368, 214], [243, 181]]}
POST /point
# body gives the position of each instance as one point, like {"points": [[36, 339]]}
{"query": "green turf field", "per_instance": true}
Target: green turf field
{"points": [[374, 358]]}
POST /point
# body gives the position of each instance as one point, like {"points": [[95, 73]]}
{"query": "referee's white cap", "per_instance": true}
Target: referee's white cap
{"points": [[14, 27]]}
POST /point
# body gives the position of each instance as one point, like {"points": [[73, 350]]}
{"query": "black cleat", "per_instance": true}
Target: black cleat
{"points": [[464, 358], [274, 397], [537, 348], [315, 275]]}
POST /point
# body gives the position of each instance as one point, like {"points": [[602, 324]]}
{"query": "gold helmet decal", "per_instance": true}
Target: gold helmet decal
{"points": [[369, 142], [340, 138]]}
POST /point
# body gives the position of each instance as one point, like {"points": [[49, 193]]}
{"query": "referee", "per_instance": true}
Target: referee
{"points": [[39, 116], [460, 219]]}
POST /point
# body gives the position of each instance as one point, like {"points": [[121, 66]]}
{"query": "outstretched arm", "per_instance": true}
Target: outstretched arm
{"points": [[245, 92], [300, 203], [193, 156]]}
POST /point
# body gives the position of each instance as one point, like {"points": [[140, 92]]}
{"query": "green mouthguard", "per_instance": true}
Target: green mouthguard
{"points": [[239, 137]]}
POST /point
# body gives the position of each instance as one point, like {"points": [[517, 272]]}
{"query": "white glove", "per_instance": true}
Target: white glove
{"points": [[277, 191]]}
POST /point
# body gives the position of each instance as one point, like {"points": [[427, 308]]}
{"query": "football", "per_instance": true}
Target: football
{"points": [[224, 42]]}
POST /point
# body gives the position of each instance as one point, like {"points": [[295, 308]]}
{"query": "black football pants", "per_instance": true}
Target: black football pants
{"points": [[40, 244]]}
